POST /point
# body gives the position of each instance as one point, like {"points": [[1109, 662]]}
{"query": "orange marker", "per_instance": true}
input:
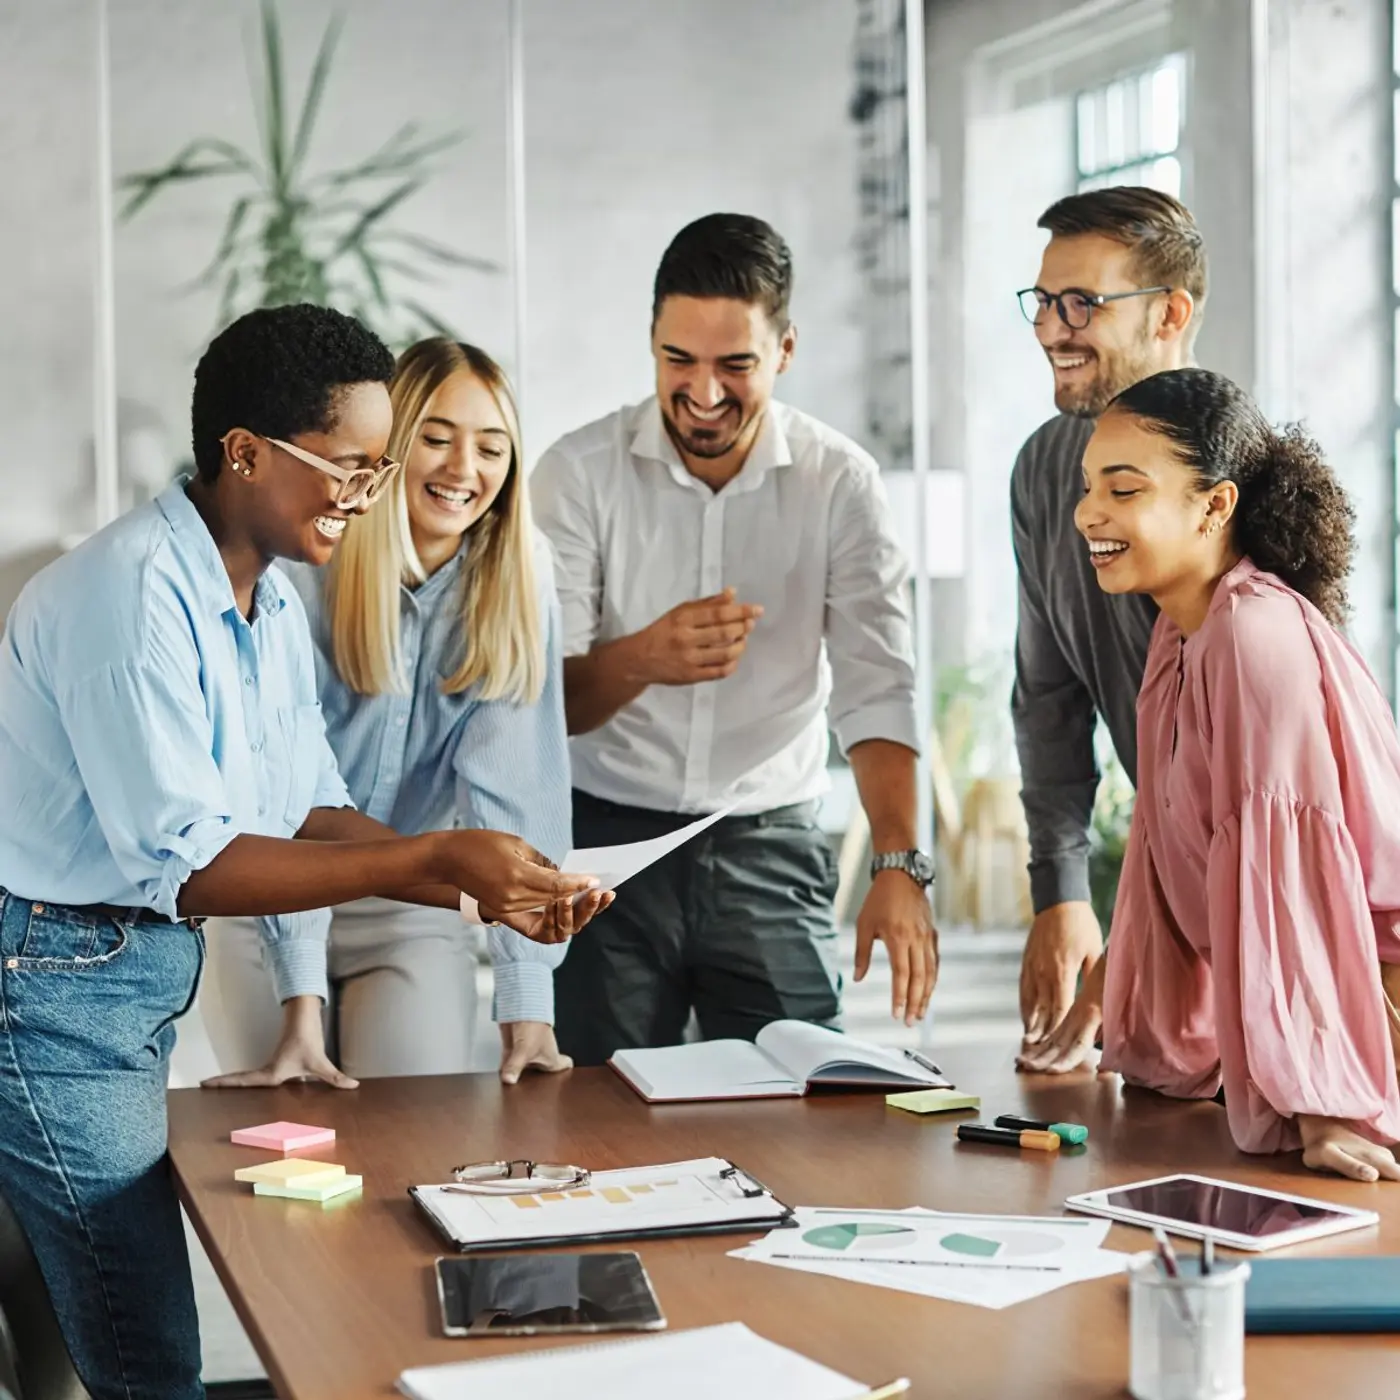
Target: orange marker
{"points": [[1009, 1137]]}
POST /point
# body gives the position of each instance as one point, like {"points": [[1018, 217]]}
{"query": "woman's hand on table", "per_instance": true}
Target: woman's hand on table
{"points": [[1330, 1145], [300, 1054]]}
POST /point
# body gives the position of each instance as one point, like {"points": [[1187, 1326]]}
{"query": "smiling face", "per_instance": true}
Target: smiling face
{"points": [[1149, 527], [292, 513], [717, 360], [1125, 341], [456, 465]]}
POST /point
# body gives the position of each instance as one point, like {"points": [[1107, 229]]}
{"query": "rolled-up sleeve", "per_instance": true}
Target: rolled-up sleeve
{"points": [[512, 765], [144, 748], [564, 511], [868, 636]]}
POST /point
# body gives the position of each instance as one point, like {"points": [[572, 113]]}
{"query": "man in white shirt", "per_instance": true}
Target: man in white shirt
{"points": [[730, 583]]}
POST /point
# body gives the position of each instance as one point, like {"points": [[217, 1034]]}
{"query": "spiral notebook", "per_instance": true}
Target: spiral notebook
{"points": [[727, 1362]]}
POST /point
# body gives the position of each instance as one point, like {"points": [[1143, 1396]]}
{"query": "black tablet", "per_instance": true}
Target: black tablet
{"points": [[525, 1295]]}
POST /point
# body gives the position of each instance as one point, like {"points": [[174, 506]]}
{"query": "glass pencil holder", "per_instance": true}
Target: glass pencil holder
{"points": [[1186, 1334]]}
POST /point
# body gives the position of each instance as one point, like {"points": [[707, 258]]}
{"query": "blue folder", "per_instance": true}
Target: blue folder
{"points": [[1360, 1294]]}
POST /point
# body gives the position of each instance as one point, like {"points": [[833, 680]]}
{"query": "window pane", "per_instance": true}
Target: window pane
{"points": [[1086, 116], [1166, 107]]}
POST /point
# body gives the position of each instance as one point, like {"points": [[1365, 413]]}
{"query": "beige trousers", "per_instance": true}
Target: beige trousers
{"points": [[403, 992]]}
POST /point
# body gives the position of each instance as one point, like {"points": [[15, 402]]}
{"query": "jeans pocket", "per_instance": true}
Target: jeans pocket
{"points": [[59, 940]]}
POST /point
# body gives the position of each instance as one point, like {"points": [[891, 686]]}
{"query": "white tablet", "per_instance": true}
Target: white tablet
{"points": [[1240, 1217]]}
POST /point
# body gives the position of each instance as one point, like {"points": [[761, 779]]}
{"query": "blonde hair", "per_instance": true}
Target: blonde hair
{"points": [[503, 645]]}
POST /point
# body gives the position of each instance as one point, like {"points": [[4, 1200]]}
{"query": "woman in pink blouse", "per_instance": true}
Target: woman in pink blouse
{"points": [[1256, 937]]}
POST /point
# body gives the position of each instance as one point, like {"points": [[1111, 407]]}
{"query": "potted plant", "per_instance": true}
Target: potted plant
{"points": [[328, 238]]}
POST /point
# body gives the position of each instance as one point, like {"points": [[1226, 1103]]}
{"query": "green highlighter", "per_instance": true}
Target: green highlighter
{"points": [[1071, 1134]]}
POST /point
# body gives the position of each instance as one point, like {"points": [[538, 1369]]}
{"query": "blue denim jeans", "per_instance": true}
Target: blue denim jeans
{"points": [[87, 1021]]}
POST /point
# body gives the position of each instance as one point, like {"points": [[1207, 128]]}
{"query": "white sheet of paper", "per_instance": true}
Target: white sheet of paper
{"points": [[697, 1364], [1078, 1255], [614, 864]]}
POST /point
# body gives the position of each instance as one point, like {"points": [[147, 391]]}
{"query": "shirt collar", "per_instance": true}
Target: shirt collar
{"points": [[196, 545], [651, 441], [436, 582]]}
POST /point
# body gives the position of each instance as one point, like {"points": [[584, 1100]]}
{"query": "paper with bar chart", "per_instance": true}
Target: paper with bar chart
{"points": [[990, 1260], [629, 1202]]}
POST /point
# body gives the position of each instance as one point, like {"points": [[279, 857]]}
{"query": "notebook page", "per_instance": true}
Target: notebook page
{"points": [[803, 1050], [704, 1363], [704, 1069]]}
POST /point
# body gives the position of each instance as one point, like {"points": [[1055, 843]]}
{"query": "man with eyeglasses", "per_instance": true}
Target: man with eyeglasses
{"points": [[1119, 297]]}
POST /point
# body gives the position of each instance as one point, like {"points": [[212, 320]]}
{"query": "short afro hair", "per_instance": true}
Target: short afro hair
{"points": [[278, 371]]}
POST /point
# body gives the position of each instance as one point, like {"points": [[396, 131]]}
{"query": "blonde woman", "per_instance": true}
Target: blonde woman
{"points": [[438, 665]]}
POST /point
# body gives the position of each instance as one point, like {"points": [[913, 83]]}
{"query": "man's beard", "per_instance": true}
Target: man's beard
{"points": [[705, 443], [1126, 368]]}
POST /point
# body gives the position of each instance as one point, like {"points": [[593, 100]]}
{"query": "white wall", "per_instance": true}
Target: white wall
{"points": [[640, 117]]}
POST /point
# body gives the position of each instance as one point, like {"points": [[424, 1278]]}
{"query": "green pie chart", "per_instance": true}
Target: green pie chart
{"points": [[869, 1236]]}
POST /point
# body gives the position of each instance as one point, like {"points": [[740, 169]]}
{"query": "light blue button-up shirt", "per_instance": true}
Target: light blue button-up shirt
{"points": [[145, 723], [425, 761]]}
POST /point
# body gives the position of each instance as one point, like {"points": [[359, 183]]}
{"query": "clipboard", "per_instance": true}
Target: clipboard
{"points": [[707, 1196]]}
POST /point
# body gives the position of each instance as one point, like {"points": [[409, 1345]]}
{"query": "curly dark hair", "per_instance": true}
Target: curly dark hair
{"points": [[1293, 519], [278, 371], [728, 255]]}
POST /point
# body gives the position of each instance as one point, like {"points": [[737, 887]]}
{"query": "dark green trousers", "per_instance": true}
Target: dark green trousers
{"points": [[735, 925]]}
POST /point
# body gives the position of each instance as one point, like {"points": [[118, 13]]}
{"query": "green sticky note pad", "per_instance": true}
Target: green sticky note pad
{"points": [[325, 1192], [933, 1101]]}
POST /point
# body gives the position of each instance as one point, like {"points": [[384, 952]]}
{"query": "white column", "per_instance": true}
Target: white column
{"points": [[515, 184], [106, 499], [916, 119]]}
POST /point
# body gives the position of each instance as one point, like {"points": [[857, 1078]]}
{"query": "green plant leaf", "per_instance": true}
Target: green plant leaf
{"points": [[376, 211], [272, 119], [391, 161], [437, 252], [198, 160], [315, 89]]}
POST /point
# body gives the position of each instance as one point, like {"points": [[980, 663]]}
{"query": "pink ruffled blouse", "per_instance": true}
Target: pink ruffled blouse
{"points": [[1261, 884]]}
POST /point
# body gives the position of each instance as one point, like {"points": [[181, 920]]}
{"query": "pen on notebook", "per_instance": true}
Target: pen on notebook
{"points": [[923, 1062]]}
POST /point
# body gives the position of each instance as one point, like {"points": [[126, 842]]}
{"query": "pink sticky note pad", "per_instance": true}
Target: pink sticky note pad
{"points": [[283, 1137]]}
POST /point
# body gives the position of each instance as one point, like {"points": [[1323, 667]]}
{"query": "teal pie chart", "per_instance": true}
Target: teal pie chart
{"points": [[860, 1235]]}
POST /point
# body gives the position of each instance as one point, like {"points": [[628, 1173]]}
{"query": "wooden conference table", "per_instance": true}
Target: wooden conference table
{"points": [[339, 1301]]}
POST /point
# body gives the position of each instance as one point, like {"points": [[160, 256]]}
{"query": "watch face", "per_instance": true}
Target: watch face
{"points": [[924, 868]]}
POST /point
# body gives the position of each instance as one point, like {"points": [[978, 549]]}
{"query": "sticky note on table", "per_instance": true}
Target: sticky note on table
{"points": [[327, 1191], [283, 1137], [933, 1101], [291, 1171]]}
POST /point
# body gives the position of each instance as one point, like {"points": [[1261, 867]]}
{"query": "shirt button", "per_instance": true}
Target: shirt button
{"points": [[401, 721], [247, 680], [256, 746]]}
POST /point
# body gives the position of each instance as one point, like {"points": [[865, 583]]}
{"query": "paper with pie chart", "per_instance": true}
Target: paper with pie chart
{"points": [[990, 1260]]}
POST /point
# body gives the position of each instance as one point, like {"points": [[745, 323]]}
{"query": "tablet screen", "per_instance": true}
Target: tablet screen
{"points": [[1217, 1206], [524, 1294]]}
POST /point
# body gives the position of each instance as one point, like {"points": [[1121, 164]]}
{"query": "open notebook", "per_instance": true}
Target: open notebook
{"points": [[788, 1058], [727, 1362]]}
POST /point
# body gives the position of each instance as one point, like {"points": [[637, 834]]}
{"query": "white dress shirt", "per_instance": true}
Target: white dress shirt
{"points": [[804, 530]]}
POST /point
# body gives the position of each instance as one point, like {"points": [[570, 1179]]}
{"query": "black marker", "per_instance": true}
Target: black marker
{"points": [[1071, 1134], [1008, 1137]]}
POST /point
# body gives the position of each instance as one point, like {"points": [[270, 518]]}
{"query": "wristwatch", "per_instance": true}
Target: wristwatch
{"points": [[915, 864]]}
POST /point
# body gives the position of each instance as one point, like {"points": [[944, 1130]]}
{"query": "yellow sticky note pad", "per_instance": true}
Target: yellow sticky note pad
{"points": [[933, 1101], [327, 1191], [290, 1171]]}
